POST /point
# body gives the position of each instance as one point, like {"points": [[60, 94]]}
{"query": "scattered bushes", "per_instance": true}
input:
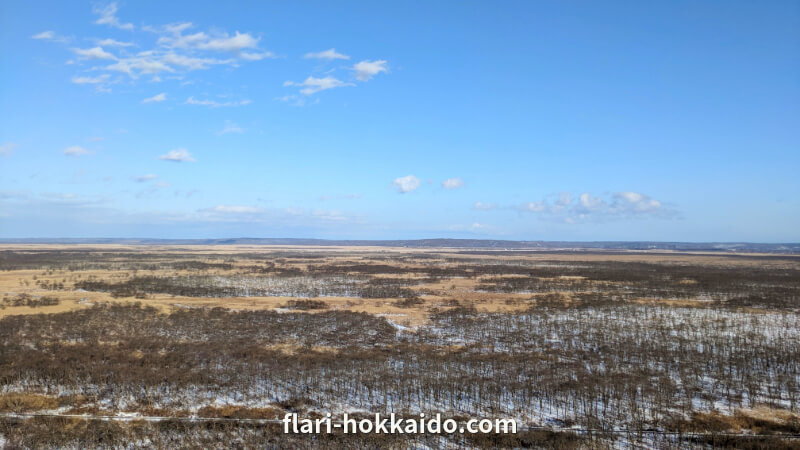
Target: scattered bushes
{"points": [[305, 305], [30, 301], [23, 402], [582, 353], [409, 302]]}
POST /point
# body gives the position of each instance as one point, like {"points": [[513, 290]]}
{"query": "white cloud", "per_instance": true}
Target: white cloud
{"points": [[474, 227], [235, 43], [481, 206], [216, 104], [91, 80], [312, 85], [45, 35], [191, 63], [329, 55], [352, 196], [405, 184], [257, 215], [180, 40], [618, 205], [634, 203], [250, 56], [113, 43], [76, 150], [177, 155], [534, 207], [230, 127], [453, 183], [108, 17], [51, 36], [93, 53], [138, 65], [145, 178], [156, 98], [174, 51], [365, 70], [294, 100], [587, 203], [236, 209], [178, 28], [6, 149]]}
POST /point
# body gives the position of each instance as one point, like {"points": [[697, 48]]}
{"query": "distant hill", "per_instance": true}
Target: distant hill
{"points": [[486, 244]]}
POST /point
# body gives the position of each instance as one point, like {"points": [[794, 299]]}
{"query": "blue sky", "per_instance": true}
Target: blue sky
{"points": [[675, 120]]}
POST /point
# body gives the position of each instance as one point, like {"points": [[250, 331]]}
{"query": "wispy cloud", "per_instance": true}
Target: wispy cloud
{"points": [[191, 63], [50, 197], [230, 127], [145, 178], [113, 43], [406, 184], [138, 65], [482, 206], [93, 53], [236, 209], [294, 100], [586, 207], [312, 85], [76, 150], [173, 37], [216, 104], [156, 98], [329, 55], [225, 43], [256, 56], [91, 80], [365, 70], [352, 196], [108, 16], [51, 36], [453, 183], [177, 155], [254, 214], [177, 49], [475, 227], [46, 35], [7, 148]]}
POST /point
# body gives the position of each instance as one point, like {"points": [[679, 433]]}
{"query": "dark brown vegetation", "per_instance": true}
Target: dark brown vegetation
{"points": [[305, 305], [595, 345], [29, 301]]}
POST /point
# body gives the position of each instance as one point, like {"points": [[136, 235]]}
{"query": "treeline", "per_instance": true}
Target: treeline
{"points": [[311, 285], [773, 288], [29, 301]]}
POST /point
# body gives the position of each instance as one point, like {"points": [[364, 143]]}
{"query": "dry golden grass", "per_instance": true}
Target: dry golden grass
{"points": [[434, 295], [759, 420], [240, 412], [293, 348], [24, 402]]}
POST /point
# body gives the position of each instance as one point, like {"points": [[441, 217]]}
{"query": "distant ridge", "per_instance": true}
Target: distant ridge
{"points": [[488, 244]]}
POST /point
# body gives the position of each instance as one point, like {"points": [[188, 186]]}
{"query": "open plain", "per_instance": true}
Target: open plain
{"points": [[204, 346]]}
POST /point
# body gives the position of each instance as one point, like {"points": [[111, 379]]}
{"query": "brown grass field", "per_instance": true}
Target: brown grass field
{"points": [[14, 281], [699, 349]]}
